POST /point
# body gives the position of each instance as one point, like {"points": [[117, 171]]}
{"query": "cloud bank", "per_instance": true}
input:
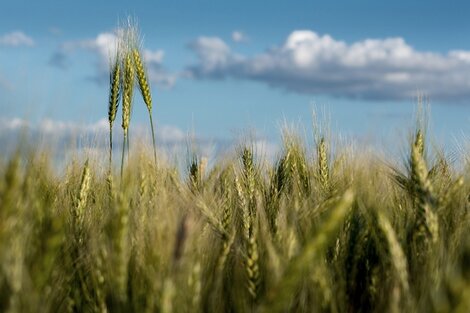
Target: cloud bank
{"points": [[166, 134], [60, 136], [103, 46], [309, 63]]}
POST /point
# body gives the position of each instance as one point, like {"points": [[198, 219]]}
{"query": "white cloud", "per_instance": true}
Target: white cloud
{"points": [[16, 39], [168, 133], [154, 56], [214, 56], [461, 55], [212, 50], [238, 36], [319, 64], [104, 46]]}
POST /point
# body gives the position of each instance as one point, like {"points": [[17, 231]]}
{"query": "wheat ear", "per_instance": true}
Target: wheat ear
{"points": [[397, 255], [79, 210], [426, 219], [114, 94], [145, 91], [127, 93], [83, 194], [249, 221], [323, 168]]}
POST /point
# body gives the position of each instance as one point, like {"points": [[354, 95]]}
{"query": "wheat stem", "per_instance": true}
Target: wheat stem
{"points": [[145, 92], [114, 94]]}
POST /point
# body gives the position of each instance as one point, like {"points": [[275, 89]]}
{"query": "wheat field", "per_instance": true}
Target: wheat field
{"points": [[323, 228]]}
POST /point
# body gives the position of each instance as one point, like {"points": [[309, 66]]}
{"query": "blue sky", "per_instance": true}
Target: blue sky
{"points": [[221, 67]]}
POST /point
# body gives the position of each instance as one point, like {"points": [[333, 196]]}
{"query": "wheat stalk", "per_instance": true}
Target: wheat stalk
{"points": [[83, 195], [249, 220], [228, 235], [396, 252], [280, 295], [426, 219], [323, 168], [114, 95], [127, 93], [145, 92], [194, 174]]}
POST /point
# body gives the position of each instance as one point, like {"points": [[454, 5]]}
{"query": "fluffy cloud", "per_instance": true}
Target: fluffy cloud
{"points": [[216, 60], [104, 46], [309, 63], [16, 39], [238, 36]]}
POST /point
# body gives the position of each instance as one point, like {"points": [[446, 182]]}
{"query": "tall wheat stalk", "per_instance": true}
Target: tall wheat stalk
{"points": [[323, 168], [127, 93], [426, 219], [145, 92], [249, 215], [114, 95], [127, 67]]}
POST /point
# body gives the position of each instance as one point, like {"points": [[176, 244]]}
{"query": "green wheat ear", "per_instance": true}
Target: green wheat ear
{"points": [[114, 95], [397, 256], [419, 142], [426, 218], [128, 89], [127, 93], [84, 189], [142, 78], [323, 168], [194, 174], [145, 91], [81, 200]]}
